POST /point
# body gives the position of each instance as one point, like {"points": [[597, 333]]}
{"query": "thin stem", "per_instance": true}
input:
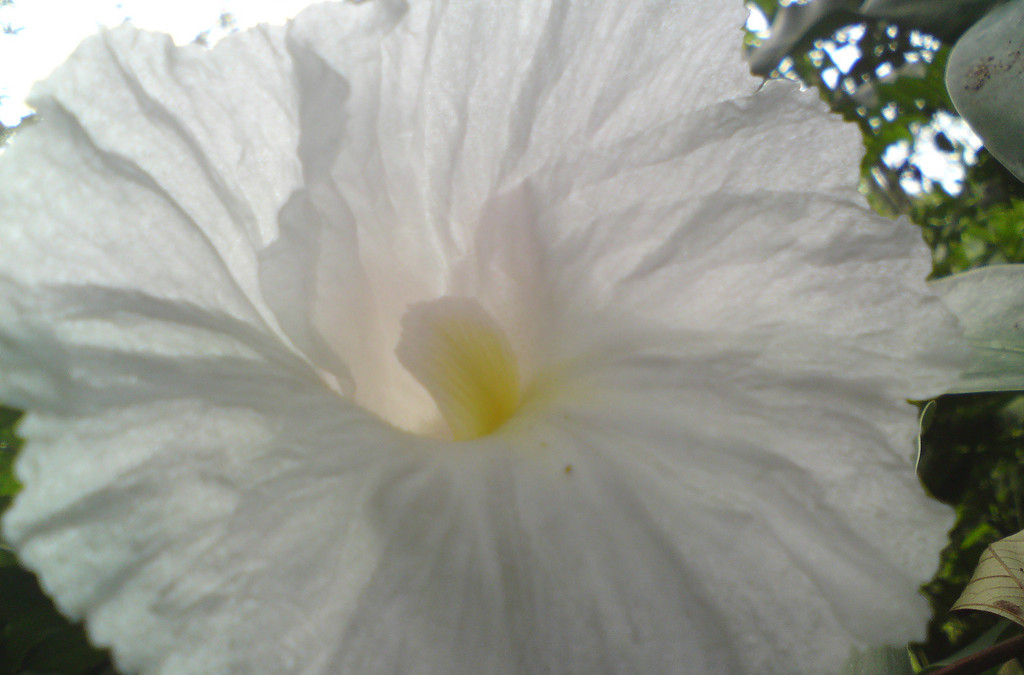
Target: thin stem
{"points": [[981, 661]]}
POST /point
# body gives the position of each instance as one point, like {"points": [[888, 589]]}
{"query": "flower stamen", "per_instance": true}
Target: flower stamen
{"points": [[463, 358]]}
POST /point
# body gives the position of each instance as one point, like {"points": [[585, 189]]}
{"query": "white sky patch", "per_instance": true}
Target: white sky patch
{"points": [[830, 76], [942, 167], [48, 30], [843, 55], [757, 22], [935, 165]]}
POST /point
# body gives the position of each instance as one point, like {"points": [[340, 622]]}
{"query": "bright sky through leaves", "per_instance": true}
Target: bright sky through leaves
{"points": [[39, 34], [934, 164]]}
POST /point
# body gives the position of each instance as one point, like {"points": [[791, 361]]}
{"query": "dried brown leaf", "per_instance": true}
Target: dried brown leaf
{"points": [[998, 582]]}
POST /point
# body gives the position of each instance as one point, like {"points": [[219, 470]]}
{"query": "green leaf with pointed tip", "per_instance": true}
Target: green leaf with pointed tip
{"points": [[990, 305]]}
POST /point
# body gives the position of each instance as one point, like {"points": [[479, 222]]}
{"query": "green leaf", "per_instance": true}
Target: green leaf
{"points": [[990, 305], [880, 660], [997, 633], [944, 18], [986, 82]]}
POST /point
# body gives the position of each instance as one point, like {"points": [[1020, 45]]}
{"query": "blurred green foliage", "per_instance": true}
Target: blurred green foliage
{"points": [[9, 445], [971, 457]]}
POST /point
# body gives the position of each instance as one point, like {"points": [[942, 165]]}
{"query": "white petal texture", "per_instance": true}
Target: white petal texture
{"points": [[670, 351]]}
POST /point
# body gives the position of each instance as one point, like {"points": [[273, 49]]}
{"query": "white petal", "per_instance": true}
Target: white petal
{"points": [[167, 523], [172, 105], [514, 565], [463, 102], [812, 270], [163, 202], [775, 488]]}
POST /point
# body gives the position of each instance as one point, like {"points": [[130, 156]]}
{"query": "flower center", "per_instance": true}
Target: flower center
{"points": [[461, 356]]}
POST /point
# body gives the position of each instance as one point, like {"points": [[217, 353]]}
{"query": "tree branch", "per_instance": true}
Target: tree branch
{"points": [[981, 661]]}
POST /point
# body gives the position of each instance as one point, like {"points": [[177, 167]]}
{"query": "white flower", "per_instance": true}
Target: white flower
{"points": [[671, 343]]}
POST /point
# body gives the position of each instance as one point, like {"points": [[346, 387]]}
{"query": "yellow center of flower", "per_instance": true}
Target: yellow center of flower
{"points": [[461, 356]]}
